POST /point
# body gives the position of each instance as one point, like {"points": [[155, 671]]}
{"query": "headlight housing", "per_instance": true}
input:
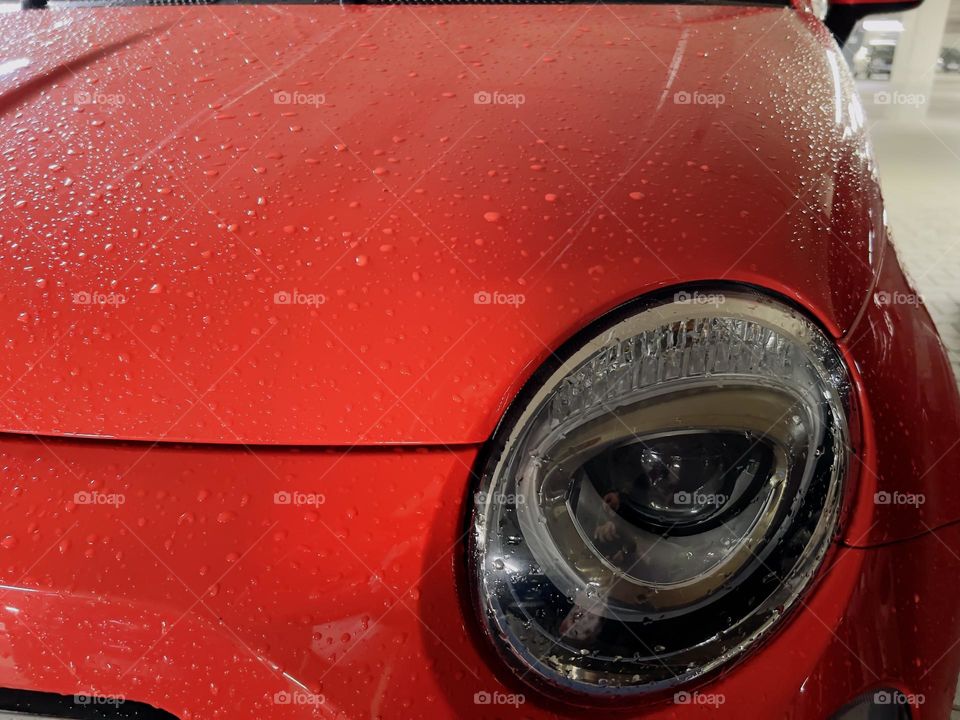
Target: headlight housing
{"points": [[661, 495]]}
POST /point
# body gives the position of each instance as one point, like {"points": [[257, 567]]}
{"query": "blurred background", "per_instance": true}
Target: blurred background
{"points": [[907, 67]]}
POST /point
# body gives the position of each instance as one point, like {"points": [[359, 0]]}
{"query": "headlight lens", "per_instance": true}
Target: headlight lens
{"points": [[662, 497]]}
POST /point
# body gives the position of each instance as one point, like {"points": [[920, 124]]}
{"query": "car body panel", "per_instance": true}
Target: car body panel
{"points": [[909, 451], [174, 577], [148, 160]]}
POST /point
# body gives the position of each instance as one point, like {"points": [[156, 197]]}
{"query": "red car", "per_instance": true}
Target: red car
{"points": [[462, 361]]}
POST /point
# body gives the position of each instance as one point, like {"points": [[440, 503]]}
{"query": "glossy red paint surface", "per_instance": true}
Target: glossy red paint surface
{"points": [[193, 195], [199, 594], [911, 456], [190, 192]]}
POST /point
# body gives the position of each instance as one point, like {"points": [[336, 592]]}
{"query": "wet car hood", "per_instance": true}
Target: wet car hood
{"points": [[326, 225]]}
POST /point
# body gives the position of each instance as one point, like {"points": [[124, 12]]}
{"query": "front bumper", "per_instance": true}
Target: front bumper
{"points": [[219, 582]]}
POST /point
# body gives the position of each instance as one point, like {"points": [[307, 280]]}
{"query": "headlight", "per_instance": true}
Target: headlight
{"points": [[654, 504]]}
